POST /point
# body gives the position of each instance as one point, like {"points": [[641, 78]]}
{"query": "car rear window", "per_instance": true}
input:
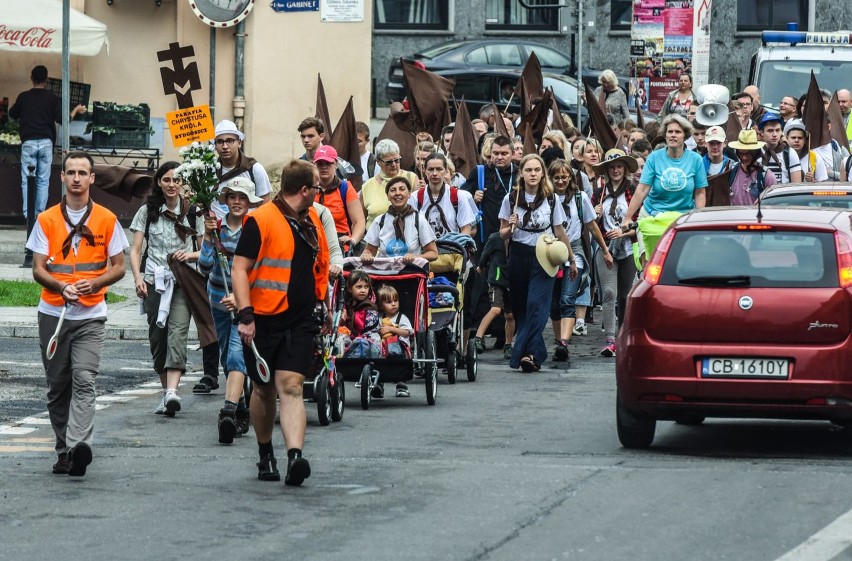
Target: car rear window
{"points": [[807, 199], [757, 259]]}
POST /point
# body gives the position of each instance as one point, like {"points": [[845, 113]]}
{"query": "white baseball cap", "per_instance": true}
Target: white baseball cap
{"points": [[715, 133], [228, 127]]}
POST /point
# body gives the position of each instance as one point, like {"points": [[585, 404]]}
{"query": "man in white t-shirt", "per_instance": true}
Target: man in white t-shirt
{"points": [[78, 251], [229, 146]]}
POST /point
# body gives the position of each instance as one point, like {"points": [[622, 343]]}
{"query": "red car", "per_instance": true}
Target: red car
{"points": [[740, 316]]}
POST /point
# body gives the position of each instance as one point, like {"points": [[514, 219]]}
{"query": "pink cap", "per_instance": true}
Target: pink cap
{"points": [[326, 153]]}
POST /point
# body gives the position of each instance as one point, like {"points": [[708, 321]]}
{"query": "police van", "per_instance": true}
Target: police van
{"points": [[783, 64]]}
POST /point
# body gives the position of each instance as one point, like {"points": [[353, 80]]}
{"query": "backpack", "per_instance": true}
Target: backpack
{"points": [[454, 199], [754, 192]]}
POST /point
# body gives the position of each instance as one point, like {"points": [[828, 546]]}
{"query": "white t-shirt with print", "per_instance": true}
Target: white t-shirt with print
{"points": [[539, 220], [467, 212], [38, 243], [623, 246], [379, 235]]}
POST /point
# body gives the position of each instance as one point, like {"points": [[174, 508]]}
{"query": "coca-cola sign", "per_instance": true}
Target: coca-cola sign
{"points": [[32, 38]]}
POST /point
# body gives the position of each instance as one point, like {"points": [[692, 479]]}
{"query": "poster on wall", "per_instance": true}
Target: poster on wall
{"points": [[341, 11], [701, 43]]}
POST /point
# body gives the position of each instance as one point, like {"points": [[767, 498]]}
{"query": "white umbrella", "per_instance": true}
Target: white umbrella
{"points": [[35, 26]]}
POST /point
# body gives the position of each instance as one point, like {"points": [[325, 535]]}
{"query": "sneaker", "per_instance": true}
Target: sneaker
{"points": [[479, 343], [609, 349], [507, 352], [61, 466], [78, 458], [561, 352], [172, 403], [227, 427], [580, 329], [243, 422], [161, 408], [378, 391], [267, 469], [298, 469], [402, 390]]}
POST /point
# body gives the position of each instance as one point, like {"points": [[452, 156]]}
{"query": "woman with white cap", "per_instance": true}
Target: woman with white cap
{"points": [[813, 168], [532, 219], [748, 176], [611, 203], [229, 146]]}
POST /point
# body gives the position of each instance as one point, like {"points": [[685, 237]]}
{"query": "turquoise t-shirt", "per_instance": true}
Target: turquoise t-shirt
{"points": [[673, 181]]}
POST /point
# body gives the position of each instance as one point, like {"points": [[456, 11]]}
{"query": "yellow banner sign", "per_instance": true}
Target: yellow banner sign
{"points": [[193, 124]]}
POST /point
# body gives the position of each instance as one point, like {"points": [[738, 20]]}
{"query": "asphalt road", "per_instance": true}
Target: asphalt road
{"points": [[512, 467]]}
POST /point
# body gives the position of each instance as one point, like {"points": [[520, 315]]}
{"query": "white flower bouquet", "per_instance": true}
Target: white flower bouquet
{"points": [[198, 173]]}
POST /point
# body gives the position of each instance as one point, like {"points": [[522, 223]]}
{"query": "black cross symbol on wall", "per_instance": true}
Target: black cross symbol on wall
{"points": [[182, 79]]}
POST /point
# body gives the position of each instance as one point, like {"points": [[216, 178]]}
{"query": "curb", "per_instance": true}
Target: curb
{"points": [[111, 333]]}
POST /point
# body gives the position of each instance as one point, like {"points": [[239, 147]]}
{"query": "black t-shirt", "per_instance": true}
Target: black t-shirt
{"points": [[300, 293], [498, 183], [38, 110]]}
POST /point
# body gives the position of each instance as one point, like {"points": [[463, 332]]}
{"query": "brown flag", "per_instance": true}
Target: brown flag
{"points": [[558, 122], [463, 145], [535, 122], [733, 126], [718, 190], [345, 141], [427, 98], [405, 140], [835, 117], [322, 108], [530, 86], [814, 116], [499, 124], [598, 122], [640, 118]]}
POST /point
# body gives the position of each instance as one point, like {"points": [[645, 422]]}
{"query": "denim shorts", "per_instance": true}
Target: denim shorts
{"points": [[230, 344]]}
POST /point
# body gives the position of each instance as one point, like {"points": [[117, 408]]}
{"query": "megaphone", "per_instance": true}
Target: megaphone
{"points": [[713, 108]]}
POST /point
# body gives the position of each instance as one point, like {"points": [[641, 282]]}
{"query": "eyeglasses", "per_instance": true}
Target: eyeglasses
{"points": [[223, 141], [391, 162], [315, 187]]}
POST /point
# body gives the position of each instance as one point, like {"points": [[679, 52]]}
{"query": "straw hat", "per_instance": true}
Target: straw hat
{"points": [[551, 254], [747, 140], [615, 155], [242, 185]]}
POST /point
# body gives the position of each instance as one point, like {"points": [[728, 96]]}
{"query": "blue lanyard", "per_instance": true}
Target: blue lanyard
{"points": [[511, 177]]}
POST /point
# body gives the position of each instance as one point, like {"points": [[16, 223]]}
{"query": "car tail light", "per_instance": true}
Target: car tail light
{"points": [[655, 267], [828, 193], [752, 227], [844, 259]]}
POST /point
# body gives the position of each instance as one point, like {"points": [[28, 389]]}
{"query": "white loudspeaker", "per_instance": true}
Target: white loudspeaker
{"points": [[713, 108]]}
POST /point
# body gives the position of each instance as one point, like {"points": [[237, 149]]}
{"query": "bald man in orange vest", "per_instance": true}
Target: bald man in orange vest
{"points": [[78, 251]]}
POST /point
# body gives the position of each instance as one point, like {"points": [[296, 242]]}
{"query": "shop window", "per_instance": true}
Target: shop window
{"points": [[759, 15], [509, 15], [411, 14], [620, 15]]}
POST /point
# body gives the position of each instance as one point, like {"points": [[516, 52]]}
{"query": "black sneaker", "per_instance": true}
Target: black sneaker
{"points": [[243, 422], [298, 469], [267, 469], [227, 427], [561, 352], [61, 466], [78, 458], [479, 343]]}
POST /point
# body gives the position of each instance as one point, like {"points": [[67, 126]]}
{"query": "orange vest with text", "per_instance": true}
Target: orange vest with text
{"points": [[90, 261], [269, 278]]}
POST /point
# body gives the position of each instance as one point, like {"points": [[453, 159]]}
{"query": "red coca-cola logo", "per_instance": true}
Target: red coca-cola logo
{"points": [[34, 37]]}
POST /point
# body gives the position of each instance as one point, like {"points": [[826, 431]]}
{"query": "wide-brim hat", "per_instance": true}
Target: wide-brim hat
{"points": [[615, 155], [747, 140], [242, 185], [551, 254]]}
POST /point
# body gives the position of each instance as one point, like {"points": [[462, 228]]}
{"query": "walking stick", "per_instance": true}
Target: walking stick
{"points": [[515, 211], [262, 368], [54, 340]]}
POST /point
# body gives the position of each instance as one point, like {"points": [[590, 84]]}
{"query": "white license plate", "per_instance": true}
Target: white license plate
{"points": [[738, 367]]}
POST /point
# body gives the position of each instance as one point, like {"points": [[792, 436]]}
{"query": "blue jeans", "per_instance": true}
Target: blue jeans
{"points": [[565, 295], [531, 289], [38, 153], [230, 344]]}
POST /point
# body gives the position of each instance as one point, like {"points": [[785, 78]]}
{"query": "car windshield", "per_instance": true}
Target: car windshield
{"points": [[777, 79], [840, 200], [564, 90], [759, 259], [438, 50]]}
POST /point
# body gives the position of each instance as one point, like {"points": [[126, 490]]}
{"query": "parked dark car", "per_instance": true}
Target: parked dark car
{"points": [[832, 195], [488, 54], [739, 316]]}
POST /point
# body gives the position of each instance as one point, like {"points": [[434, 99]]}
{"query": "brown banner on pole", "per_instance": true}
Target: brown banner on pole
{"points": [[601, 129], [322, 109], [463, 144], [531, 84]]}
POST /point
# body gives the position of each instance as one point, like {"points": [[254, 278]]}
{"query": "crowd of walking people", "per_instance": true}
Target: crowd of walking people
{"points": [[551, 229]]}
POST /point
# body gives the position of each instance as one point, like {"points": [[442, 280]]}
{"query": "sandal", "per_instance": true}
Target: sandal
{"points": [[206, 384], [528, 364]]}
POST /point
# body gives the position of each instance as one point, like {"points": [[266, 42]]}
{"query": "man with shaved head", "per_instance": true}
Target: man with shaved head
{"points": [[757, 110], [844, 98]]}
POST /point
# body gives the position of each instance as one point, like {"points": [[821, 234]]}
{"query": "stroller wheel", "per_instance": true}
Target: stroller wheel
{"points": [[338, 398], [323, 398], [452, 364], [470, 361], [366, 387], [431, 372]]}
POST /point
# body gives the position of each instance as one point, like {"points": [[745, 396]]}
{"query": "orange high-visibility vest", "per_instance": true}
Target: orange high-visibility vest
{"points": [[269, 278], [90, 261]]}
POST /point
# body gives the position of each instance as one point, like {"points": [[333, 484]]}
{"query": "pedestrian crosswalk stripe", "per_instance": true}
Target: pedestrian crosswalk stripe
{"points": [[115, 398], [35, 421], [18, 430], [26, 448]]}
